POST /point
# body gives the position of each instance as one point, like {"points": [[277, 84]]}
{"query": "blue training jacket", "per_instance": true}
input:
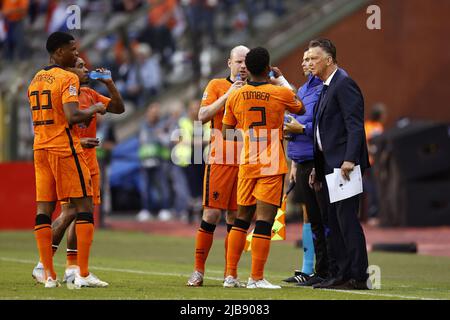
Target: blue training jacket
{"points": [[301, 148]]}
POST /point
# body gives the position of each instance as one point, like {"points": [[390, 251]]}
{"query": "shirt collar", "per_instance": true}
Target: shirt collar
{"points": [[328, 81], [313, 81], [51, 67], [256, 84]]}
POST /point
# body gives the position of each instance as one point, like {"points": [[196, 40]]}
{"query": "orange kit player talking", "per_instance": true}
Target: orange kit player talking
{"points": [[257, 110], [220, 181], [60, 168]]}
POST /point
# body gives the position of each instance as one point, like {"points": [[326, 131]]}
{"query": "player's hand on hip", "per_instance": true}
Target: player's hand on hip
{"points": [[346, 169]]}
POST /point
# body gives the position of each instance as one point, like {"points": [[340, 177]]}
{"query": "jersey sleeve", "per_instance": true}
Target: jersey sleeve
{"points": [[228, 117], [69, 88], [210, 94], [292, 102], [100, 98]]}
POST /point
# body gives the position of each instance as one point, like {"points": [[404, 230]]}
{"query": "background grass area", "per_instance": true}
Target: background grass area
{"points": [[144, 266]]}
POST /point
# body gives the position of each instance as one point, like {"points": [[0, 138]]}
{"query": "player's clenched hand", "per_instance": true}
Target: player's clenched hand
{"points": [[100, 108], [293, 126], [105, 81], [276, 72], [277, 78], [236, 85], [313, 182], [89, 142], [293, 173]]}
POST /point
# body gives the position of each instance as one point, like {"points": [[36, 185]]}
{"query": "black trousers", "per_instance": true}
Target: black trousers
{"points": [[346, 243], [309, 198]]}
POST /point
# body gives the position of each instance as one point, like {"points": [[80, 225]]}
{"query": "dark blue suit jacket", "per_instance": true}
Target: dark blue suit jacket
{"points": [[340, 115]]}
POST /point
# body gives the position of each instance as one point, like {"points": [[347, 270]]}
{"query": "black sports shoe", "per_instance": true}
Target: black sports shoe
{"points": [[298, 277], [313, 279]]}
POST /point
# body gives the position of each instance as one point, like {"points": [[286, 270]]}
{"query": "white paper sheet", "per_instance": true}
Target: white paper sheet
{"points": [[340, 189]]}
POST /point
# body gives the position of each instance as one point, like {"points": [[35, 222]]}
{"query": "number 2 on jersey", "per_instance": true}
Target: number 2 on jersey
{"points": [[260, 123]]}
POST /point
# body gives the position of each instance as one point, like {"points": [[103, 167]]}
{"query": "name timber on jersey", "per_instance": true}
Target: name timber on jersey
{"points": [[258, 110], [49, 90], [88, 97], [218, 146]]}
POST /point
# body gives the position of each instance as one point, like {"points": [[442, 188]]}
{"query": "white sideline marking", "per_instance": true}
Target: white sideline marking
{"points": [[150, 273], [220, 279]]}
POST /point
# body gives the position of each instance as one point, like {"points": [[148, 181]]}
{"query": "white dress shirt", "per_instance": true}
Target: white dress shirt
{"points": [[326, 83]]}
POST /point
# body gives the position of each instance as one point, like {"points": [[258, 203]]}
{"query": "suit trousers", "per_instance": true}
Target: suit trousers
{"points": [[346, 243]]}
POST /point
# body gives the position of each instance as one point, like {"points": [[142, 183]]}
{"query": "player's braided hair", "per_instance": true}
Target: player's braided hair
{"points": [[257, 60]]}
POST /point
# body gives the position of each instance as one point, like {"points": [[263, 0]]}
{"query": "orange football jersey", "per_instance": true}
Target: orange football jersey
{"points": [[258, 110], [218, 147], [87, 98], [49, 90]]}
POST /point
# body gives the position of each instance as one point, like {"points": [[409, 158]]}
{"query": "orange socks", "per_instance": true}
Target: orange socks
{"points": [[43, 234], [236, 244], [72, 257], [260, 248], [229, 226], [84, 229], [203, 243]]}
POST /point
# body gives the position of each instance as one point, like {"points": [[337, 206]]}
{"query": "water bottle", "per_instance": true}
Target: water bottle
{"points": [[238, 77], [95, 75], [271, 74]]}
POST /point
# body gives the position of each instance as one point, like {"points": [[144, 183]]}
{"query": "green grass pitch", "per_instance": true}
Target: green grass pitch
{"points": [[142, 266]]}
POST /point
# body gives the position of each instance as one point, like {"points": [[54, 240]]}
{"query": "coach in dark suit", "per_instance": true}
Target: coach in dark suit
{"points": [[339, 142]]}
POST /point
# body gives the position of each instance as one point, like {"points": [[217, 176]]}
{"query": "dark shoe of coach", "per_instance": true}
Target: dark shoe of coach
{"points": [[329, 283], [352, 284]]}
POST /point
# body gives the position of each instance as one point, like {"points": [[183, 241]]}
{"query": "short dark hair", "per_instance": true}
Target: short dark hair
{"points": [[57, 40], [257, 60], [326, 45]]}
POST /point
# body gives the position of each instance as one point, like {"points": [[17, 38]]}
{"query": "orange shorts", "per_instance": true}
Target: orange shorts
{"points": [[267, 189], [96, 188], [60, 178], [220, 187]]}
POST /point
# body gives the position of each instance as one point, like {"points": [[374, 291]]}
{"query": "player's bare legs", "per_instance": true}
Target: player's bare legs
{"points": [[60, 225]]}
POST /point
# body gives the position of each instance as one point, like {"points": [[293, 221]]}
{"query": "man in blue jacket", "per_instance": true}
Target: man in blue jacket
{"points": [[299, 131]]}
